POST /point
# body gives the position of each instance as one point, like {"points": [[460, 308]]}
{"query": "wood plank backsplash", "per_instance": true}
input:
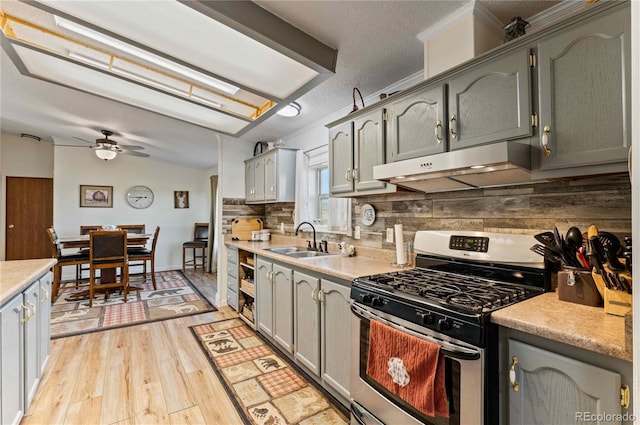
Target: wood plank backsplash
{"points": [[527, 209]]}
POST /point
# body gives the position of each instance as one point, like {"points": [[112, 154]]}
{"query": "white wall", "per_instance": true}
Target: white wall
{"points": [[74, 167], [231, 155], [21, 157]]}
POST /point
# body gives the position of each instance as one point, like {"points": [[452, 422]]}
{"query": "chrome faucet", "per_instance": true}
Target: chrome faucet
{"points": [[315, 246]]}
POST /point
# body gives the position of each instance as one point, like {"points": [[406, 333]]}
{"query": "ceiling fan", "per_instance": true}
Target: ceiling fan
{"points": [[108, 149]]}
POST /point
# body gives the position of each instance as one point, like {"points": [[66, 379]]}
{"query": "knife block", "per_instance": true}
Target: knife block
{"points": [[617, 302]]}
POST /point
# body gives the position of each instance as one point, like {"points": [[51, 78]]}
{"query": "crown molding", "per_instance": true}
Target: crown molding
{"points": [[470, 9]]}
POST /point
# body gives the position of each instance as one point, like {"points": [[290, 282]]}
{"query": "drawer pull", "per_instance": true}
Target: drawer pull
{"points": [[512, 374]]}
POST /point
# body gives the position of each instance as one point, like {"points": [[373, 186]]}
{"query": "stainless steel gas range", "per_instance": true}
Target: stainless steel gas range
{"points": [[447, 300]]}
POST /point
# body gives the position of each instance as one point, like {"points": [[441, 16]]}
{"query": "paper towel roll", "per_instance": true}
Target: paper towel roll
{"points": [[400, 257]]}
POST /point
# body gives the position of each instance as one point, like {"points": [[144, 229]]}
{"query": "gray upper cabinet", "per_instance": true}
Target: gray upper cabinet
{"points": [[341, 158], [491, 102], [547, 388], [584, 90], [355, 147], [270, 177], [417, 125], [368, 150]]}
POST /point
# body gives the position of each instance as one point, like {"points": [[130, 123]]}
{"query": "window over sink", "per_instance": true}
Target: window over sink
{"points": [[313, 200]]}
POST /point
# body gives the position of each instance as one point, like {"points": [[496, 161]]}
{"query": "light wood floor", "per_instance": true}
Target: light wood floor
{"points": [[148, 374]]}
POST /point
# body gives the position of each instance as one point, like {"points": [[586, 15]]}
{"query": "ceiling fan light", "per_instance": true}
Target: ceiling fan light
{"points": [[291, 110], [105, 154]]}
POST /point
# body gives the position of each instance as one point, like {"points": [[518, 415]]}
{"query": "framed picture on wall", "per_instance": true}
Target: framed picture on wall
{"points": [[181, 199], [96, 196]]}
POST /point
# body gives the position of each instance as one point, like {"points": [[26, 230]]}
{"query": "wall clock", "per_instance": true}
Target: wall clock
{"points": [[140, 197]]}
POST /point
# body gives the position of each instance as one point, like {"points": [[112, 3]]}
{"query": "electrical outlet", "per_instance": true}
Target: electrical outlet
{"points": [[356, 232], [390, 234]]}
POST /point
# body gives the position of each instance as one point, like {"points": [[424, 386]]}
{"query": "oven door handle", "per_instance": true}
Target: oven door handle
{"points": [[447, 348], [360, 414]]}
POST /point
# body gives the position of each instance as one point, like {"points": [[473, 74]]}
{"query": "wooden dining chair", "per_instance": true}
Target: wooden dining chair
{"points": [[133, 228], [72, 259], [199, 242], [108, 251], [85, 230], [139, 257]]}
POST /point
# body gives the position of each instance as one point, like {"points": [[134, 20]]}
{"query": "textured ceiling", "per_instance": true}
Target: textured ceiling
{"points": [[376, 43]]}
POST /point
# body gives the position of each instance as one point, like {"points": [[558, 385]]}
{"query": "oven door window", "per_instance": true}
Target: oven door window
{"points": [[452, 384]]}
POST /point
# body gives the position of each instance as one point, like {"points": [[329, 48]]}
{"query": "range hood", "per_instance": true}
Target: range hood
{"points": [[497, 164]]}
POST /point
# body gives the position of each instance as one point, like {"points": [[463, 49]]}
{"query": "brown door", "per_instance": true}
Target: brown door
{"points": [[29, 214]]}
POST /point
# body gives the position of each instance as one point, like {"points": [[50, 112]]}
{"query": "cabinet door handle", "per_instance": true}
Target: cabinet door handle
{"points": [[452, 126], [273, 188], [27, 314], [545, 140], [46, 295], [313, 296], [438, 129], [321, 296], [33, 306], [356, 174], [512, 374], [348, 175]]}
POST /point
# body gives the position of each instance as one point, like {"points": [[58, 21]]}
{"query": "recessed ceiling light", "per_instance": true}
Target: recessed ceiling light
{"points": [[291, 110]]}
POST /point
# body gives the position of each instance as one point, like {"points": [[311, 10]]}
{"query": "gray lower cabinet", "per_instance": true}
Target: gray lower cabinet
{"points": [[584, 80], [44, 329], [322, 334], [335, 315], [25, 330], [355, 147], [275, 302], [307, 321], [417, 125], [491, 102], [232, 277], [548, 388]]}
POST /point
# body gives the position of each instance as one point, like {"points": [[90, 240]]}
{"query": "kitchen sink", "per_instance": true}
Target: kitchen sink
{"points": [[297, 252], [286, 250]]}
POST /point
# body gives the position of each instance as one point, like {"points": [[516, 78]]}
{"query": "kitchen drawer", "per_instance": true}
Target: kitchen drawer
{"points": [[232, 299], [232, 269], [232, 255], [232, 282]]}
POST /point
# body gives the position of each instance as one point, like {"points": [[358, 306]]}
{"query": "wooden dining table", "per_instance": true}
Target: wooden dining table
{"points": [[82, 241], [106, 275]]}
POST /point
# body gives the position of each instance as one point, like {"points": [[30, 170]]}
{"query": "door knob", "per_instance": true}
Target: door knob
{"points": [[11, 226]]}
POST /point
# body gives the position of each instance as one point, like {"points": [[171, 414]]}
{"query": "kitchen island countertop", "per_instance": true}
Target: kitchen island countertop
{"points": [[581, 326], [16, 275]]}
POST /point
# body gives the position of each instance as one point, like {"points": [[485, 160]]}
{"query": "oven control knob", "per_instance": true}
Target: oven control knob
{"points": [[376, 301], [427, 318], [444, 324], [366, 298]]}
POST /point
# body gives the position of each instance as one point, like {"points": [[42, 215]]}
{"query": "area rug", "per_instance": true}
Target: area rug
{"points": [[265, 389], [175, 296]]}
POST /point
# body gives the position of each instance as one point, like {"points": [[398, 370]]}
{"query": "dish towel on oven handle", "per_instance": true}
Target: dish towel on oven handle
{"points": [[409, 367]]}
